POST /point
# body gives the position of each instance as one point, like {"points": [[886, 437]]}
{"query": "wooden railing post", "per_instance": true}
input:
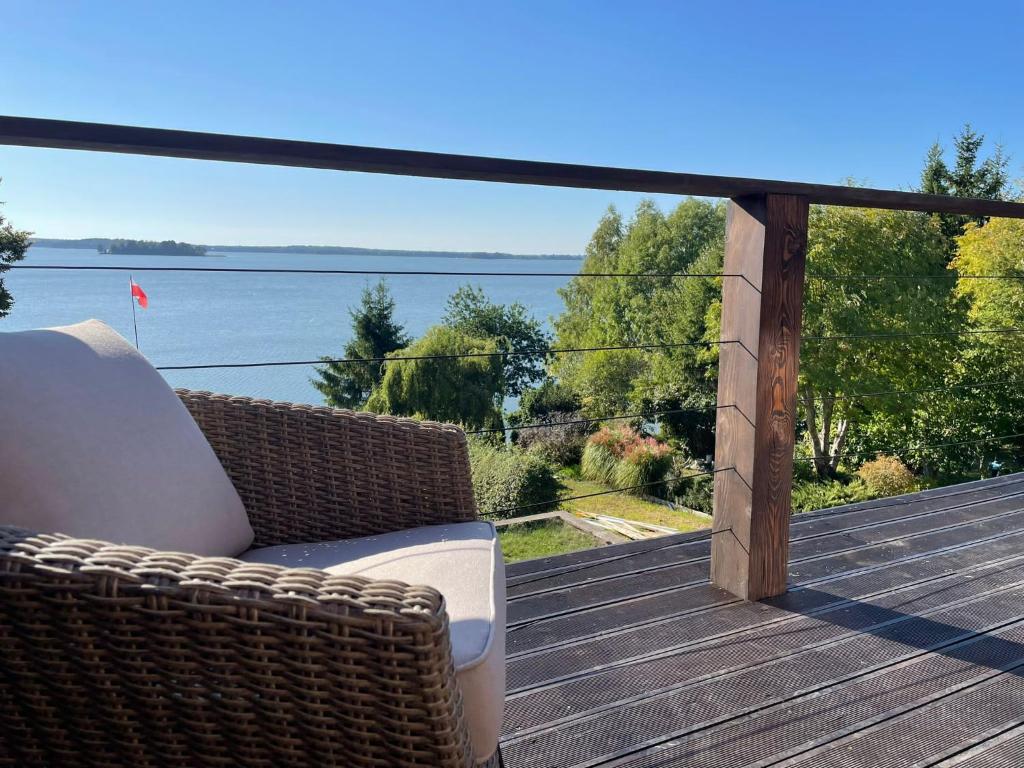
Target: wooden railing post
{"points": [[766, 245]]}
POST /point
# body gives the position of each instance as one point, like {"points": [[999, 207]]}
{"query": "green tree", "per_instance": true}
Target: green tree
{"points": [[684, 376], [458, 378], [648, 309], [983, 413], [509, 325], [375, 335], [575, 323], [935, 176], [995, 249], [14, 245], [970, 176], [844, 244], [550, 396]]}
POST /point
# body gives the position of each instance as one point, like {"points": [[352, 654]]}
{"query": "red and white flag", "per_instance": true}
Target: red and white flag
{"points": [[140, 295]]}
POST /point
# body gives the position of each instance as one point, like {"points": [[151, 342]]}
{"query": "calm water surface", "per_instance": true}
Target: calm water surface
{"points": [[199, 318]]}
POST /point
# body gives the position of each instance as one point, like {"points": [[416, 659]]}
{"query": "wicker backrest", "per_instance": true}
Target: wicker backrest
{"points": [[314, 474]]}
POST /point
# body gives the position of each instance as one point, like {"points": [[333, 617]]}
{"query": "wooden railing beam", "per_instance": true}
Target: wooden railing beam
{"points": [[766, 246], [128, 139]]}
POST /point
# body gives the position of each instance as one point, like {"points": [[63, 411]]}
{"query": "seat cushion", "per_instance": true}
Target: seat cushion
{"points": [[463, 562], [95, 444]]}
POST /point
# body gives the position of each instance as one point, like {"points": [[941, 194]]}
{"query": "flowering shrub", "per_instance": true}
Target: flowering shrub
{"points": [[644, 462], [622, 457], [602, 452], [615, 439]]}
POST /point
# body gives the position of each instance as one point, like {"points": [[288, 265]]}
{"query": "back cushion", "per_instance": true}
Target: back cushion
{"points": [[95, 444]]}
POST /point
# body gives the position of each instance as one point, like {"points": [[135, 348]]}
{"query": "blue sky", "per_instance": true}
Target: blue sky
{"points": [[815, 91]]}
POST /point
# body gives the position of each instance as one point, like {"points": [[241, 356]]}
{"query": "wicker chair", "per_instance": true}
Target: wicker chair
{"points": [[114, 655]]}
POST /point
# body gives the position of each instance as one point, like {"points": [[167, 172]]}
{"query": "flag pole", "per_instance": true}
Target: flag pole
{"points": [[131, 298]]}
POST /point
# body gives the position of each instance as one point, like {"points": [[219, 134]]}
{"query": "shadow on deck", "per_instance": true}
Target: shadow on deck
{"points": [[900, 642]]}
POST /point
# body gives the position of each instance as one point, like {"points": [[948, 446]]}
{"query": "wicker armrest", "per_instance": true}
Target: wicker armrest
{"points": [[137, 657], [316, 474]]}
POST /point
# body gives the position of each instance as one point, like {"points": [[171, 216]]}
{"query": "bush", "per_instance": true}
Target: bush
{"points": [[550, 397], [505, 477], [556, 442], [887, 476], [623, 458], [645, 463], [698, 493], [812, 495], [601, 453], [690, 489], [692, 430]]}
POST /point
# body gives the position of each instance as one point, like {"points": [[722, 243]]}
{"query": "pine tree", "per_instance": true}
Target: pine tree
{"points": [[375, 334], [935, 177], [987, 179]]}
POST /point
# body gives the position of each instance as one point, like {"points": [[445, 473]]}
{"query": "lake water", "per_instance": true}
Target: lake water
{"points": [[200, 318]]}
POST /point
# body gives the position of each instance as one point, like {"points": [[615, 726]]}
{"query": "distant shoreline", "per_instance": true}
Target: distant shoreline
{"points": [[91, 243]]}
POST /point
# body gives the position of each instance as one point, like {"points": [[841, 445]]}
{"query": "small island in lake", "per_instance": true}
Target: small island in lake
{"points": [[151, 248]]}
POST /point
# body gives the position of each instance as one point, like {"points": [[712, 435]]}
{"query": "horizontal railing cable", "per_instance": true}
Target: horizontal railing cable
{"points": [[571, 350], [459, 273], [917, 334], [561, 500], [901, 392], [455, 356], [1013, 436], [713, 408], [927, 446], [850, 278], [417, 272], [644, 415]]}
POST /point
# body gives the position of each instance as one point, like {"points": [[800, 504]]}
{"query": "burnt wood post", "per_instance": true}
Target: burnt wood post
{"points": [[766, 245]]}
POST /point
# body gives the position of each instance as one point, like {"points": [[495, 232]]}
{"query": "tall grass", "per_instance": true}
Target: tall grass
{"points": [[623, 458], [598, 462], [644, 463]]}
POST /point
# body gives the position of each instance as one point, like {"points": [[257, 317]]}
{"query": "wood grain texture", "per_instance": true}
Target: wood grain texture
{"points": [[65, 134], [761, 312]]}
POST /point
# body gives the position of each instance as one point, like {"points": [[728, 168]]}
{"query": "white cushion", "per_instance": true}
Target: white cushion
{"points": [[463, 562], [95, 444]]}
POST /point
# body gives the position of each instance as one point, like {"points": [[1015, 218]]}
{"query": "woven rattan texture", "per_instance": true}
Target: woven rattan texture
{"points": [[113, 655], [317, 474], [125, 656]]}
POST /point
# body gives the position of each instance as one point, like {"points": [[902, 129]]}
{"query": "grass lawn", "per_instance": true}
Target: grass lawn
{"points": [[542, 539], [628, 507]]}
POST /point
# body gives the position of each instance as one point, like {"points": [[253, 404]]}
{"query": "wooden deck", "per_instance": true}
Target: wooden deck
{"points": [[900, 643]]}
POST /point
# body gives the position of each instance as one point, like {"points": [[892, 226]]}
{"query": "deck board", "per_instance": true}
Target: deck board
{"points": [[903, 615], [632, 609], [979, 488]]}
